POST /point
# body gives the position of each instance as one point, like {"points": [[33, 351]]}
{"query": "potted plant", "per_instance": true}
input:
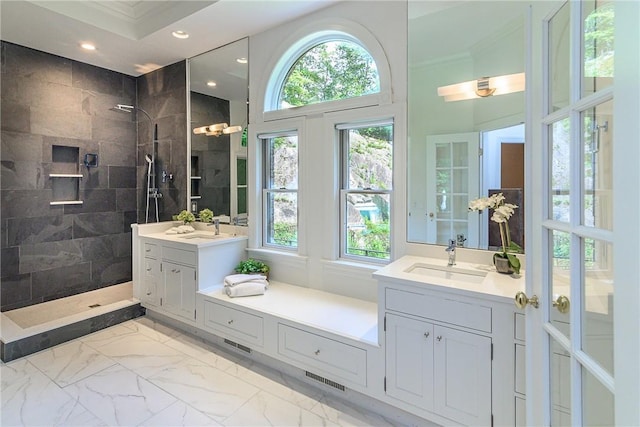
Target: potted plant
{"points": [[185, 216], [252, 266], [505, 261], [206, 215]]}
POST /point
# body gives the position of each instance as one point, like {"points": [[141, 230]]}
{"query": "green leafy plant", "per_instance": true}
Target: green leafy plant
{"points": [[206, 215], [185, 216], [252, 266]]}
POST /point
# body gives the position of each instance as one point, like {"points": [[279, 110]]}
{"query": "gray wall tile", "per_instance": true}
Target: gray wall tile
{"points": [[28, 231], [97, 224], [122, 177], [48, 255], [15, 291]]}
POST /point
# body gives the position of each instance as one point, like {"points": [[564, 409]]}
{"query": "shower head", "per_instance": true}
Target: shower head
{"points": [[131, 109], [148, 158], [125, 108]]}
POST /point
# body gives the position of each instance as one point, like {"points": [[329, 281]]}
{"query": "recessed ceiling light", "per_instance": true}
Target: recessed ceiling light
{"points": [[180, 34], [242, 60], [211, 83], [87, 46]]}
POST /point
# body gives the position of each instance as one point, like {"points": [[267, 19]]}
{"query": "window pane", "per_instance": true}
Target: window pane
{"points": [[241, 171], [597, 402], [370, 157], [598, 46], [597, 316], [283, 158], [282, 219], [367, 225], [560, 382], [559, 59], [560, 170], [242, 200], [330, 71], [598, 166], [560, 277]]}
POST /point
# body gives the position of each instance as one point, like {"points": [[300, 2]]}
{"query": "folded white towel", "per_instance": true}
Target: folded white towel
{"points": [[236, 279], [246, 289]]}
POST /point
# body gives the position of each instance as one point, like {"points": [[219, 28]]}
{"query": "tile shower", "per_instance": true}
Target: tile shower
{"points": [[54, 112]]}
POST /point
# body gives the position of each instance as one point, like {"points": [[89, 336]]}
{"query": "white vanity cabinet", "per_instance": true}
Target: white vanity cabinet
{"points": [[179, 272], [151, 274], [449, 344], [438, 368]]}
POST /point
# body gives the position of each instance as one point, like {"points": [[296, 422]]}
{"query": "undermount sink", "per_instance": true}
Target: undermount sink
{"points": [[446, 272], [204, 235]]}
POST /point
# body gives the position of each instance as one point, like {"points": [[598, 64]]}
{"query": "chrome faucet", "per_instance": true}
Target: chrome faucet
{"points": [[216, 224], [452, 252]]}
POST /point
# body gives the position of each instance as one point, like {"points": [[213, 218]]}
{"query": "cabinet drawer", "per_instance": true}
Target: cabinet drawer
{"points": [[179, 256], [459, 313], [151, 250], [333, 357], [236, 323]]}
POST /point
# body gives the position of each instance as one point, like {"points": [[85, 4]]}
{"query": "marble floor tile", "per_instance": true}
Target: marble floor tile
{"points": [[343, 415], [277, 384], [153, 329], [70, 362], [108, 335], [204, 387], [30, 398], [264, 409], [198, 349], [119, 397], [140, 353], [180, 414]]}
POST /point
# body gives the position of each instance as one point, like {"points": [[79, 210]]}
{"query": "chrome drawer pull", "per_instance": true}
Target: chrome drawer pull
{"points": [[230, 321], [426, 334], [317, 352]]}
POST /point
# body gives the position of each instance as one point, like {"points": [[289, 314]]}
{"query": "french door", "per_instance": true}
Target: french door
{"points": [[581, 326]]}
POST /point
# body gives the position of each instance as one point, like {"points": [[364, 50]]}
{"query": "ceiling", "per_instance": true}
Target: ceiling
{"points": [[134, 37]]}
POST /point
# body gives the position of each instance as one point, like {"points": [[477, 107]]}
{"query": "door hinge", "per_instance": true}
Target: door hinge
{"points": [[491, 351], [384, 326], [160, 301], [160, 267], [194, 275], [491, 420], [385, 383], [195, 313], [480, 152]]}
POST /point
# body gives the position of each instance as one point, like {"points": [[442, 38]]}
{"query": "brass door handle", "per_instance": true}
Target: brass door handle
{"points": [[562, 304], [521, 300]]}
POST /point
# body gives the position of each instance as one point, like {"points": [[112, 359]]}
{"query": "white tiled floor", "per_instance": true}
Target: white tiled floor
{"points": [[144, 373]]}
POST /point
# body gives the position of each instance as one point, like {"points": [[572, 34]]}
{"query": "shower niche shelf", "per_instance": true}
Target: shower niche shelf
{"points": [[65, 176], [195, 178]]}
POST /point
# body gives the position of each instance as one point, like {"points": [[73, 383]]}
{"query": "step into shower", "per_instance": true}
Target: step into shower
{"points": [[30, 329]]}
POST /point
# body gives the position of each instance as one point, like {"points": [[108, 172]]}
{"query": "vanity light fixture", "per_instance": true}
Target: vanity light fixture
{"points": [[211, 83], [179, 34], [217, 129], [88, 46], [483, 87]]}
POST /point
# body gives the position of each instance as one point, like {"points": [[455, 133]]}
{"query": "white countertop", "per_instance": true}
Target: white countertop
{"points": [[495, 286], [345, 316], [206, 239]]}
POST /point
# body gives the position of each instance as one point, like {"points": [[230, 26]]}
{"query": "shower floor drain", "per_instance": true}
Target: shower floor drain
{"points": [[94, 305]]}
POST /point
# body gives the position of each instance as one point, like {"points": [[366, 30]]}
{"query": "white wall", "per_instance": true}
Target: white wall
{"points": [[315, 263]]}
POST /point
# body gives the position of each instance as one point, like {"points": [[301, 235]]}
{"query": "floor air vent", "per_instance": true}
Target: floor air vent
{"points": [[324, 380], [94, 305], [238, 346]]}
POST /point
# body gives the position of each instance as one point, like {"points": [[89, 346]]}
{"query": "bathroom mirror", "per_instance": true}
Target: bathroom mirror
{"points": [[218, 94], [463, 149]]}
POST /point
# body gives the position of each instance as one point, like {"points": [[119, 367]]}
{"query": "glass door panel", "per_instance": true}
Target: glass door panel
{"points": [[597, 315], [560, 283], [597, 131], [598, 401], [559, 88], [560, 168], [560, 383], [598, 45]]}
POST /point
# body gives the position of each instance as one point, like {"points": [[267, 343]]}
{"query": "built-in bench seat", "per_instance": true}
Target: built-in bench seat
{"points": [[349, 317], [329, 335]]}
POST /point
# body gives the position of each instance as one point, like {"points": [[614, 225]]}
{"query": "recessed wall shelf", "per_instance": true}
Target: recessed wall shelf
{"points": [[66, 202], [196, 197], [65, 184], [65, 175]]}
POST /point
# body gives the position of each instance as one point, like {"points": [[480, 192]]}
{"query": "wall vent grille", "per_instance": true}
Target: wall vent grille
{"points": [[238, 346], [324, 380]]}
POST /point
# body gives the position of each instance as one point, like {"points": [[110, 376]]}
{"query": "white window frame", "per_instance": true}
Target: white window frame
{"points": [[263, 139], [342, 131]]}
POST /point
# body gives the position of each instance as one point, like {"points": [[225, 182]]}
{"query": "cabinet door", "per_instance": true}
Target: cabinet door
{"points": [[409, 361], [462, 373], [179, 290], [150, 293]]}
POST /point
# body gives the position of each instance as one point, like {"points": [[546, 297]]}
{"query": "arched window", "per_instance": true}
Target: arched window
{"points": [[329, 66], [329, 71]]}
